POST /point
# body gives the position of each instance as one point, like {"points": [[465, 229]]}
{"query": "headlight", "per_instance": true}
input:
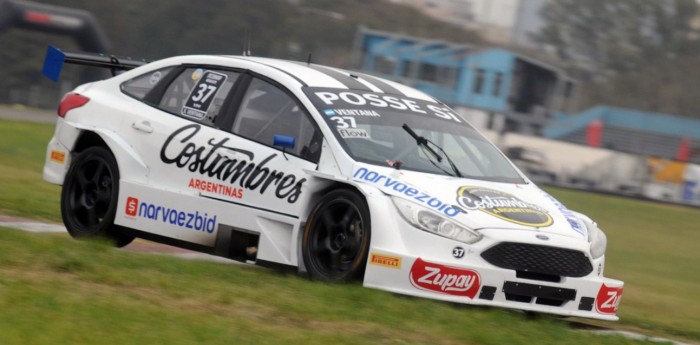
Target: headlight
{"points": [[599, 241], [427, 220], [596, 237]]}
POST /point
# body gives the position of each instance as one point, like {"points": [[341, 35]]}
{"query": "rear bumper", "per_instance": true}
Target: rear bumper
{"points": [[56, 162]]}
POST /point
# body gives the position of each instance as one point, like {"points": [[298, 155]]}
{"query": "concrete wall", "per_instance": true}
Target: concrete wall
{"points": [[608, 170]]}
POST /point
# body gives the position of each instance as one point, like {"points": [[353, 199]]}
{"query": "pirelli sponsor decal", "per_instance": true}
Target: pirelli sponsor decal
{"points": [[58, 156], [385, 260]]}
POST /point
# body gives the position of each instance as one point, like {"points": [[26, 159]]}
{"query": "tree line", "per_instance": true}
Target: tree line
{"points": [[640, 54], [289, 29]]}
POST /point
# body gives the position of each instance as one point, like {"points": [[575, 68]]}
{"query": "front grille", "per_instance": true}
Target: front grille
{"points": [[538, 259]]}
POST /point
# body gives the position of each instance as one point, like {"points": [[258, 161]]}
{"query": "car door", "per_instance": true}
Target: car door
{"points": [[211, 150], [173, 130], [269, 175], [189, 103], [251, 172]]}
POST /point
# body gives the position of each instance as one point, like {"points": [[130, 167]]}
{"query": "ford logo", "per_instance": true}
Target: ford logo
{"points": [[542, 237]]}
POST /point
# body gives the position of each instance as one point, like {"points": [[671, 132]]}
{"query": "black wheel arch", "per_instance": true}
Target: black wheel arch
{"points": [[315, 204], [88, 139], [318, 195]]}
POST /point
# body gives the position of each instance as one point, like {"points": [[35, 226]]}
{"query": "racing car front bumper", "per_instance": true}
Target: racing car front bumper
{"points": [[406, 260], [480, 285]]}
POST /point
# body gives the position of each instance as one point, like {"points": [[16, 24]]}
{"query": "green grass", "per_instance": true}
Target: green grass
{"points": [[654, 249], [58, 291], [76, 292], [23, 192]]}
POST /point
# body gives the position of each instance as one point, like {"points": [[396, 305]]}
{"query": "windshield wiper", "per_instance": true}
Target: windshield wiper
{"points": [[423, 142]]}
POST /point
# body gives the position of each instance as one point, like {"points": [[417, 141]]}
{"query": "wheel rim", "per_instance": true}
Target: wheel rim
{"points": [[90, 195], [337, 238]]}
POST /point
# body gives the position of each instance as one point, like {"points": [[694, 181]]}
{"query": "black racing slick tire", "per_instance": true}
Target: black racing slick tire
{"points": [[336, 237], [89, 197]]}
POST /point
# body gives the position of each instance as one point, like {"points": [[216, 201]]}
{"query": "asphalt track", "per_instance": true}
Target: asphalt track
{"points": [[25, 114], [139, 245]]}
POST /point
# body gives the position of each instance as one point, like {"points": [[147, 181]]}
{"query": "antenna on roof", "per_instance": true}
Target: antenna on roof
{"points": [[245, 38], [250, 38], [246, 43], [308, 60]]}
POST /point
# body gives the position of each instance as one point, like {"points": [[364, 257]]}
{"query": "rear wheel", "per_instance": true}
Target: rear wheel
{"points": [[89, 197], [336, 237]]}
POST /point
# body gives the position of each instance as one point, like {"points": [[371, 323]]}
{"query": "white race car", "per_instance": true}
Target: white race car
{"points": [[337, 174]]}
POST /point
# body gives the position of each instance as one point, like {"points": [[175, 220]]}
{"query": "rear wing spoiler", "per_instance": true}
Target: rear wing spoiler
{"points": [[55, 58]]}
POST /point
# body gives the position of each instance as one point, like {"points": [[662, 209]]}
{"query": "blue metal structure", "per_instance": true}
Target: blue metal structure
{"points": [[629, 130], [565, 124], [493, 81], [525, 93]]}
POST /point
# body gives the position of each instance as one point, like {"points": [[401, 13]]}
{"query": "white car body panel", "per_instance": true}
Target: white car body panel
{"points": [[167, 191]]}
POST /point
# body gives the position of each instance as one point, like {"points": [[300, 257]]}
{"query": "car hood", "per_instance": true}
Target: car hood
{"points": [[477, 204]]}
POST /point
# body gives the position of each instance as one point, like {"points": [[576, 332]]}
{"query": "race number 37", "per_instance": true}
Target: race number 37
{"points": [[608, 299], [202, 94], [345, 122]]}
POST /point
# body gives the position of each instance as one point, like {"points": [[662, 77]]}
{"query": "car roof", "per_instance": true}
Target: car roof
{"points": [[320, 76]]}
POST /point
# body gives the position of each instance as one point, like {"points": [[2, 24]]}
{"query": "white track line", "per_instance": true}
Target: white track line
{"points": [[30, 226]]}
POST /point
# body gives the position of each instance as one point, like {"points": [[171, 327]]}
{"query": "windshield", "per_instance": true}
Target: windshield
{"points": [[370, 128]]}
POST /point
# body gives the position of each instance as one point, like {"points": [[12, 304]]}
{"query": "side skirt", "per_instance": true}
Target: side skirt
{"points": [[167, 240]]}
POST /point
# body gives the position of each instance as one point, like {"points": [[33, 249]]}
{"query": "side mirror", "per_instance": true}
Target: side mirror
{"points": [[284, 141]]}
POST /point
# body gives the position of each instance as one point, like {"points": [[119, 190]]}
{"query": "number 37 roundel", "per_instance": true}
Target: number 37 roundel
{"points": [[202, 94]]}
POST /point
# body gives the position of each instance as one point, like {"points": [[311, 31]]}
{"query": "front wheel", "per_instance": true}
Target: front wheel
{"points": [[336, 237], [89, 197]]}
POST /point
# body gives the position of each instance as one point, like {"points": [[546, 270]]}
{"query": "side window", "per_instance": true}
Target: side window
{"points": [[266, 110], [198, 94], [141, 85]]}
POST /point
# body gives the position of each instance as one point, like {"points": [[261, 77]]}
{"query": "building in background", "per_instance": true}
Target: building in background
{"points": [[504, 22], [493, 88]]}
